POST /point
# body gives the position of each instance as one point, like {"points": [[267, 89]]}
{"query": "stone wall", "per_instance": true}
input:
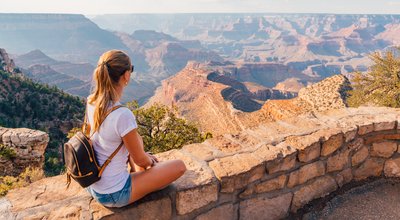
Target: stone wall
{"points": [[261, 173], [29, 146]]}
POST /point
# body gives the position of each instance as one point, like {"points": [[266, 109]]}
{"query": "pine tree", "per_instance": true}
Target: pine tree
{"points": [[381, 85]]}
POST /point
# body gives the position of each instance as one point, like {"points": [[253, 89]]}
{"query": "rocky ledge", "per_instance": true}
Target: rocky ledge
{"points": [[265, 172], [29, 146]]}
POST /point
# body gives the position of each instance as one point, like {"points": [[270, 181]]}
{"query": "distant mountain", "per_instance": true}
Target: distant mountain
{"points": [[72, 44], [45, 74], [316, 44], [163, 55], [62, 36], [82, 71]]}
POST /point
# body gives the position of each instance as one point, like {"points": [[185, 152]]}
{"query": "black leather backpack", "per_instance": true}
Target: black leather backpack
{"points": [[80, 159]]}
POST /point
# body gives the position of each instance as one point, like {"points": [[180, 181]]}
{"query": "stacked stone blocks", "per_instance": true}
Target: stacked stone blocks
{"points": [[261, 173]]}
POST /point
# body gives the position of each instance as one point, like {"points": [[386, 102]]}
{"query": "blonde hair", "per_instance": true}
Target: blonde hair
{"points": [[110, 67]]}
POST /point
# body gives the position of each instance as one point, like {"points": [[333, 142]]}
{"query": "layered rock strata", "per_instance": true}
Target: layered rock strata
{"points": [[206, 102], [265, 172], [29, 147]]}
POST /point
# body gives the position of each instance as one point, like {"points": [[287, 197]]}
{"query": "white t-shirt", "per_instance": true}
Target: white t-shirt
{"points": [[117, 124]]}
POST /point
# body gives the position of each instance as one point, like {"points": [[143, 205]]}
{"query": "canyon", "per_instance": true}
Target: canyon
{"points": [[325, 44], [202, 96], [315, 45]]}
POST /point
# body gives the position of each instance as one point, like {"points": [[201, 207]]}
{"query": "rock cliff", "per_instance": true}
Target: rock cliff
{"points": [[264, 172], [29, 146], [7, 64], [221, 104], [327, 94]]}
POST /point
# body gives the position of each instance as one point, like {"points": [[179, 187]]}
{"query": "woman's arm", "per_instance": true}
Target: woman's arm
{"points": [[134, 144]]}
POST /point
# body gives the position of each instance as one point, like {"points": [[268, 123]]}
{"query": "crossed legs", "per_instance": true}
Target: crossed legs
{"points": [[155, 178]]}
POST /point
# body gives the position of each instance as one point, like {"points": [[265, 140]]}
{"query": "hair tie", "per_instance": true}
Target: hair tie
{"points": [[104, 63]]}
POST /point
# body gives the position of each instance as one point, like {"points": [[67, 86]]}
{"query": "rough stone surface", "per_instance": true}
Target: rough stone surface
{"points": [[344, 177], [332, 144], [392, 168], [365, 129], [356, 144], [29, 146], [380, 137], [306, 173], [267, 186], [146, 210], [318, 188], [261, 208], [338, 161], [278, 158], [382, 126], [281, 165], [45, 190], [371, 167], [359, 156], [310, 153], [271, 185], [224, 212], [197, 187], [189, 200], [309, 146], [235, 172], [202, 151], [350, 135], [383, 149]]}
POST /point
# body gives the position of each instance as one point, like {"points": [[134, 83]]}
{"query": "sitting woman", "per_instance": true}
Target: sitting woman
{"points": [[117, 187]]}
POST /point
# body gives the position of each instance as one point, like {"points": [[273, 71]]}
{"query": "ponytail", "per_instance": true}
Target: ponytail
{"points": [[111, 66]]}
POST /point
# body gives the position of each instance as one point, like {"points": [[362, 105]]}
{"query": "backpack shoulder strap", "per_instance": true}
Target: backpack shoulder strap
{"points": [[85, 125], [109, 112], [110, 158]]}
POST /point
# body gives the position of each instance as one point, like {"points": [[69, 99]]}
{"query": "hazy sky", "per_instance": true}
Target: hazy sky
{"points": [[89, 7]]}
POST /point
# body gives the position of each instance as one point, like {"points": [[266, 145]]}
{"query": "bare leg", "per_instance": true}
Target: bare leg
{"points": [[155, 178]]}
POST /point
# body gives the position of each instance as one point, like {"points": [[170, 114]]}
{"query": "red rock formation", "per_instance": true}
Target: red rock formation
{"points": [[202, 101]]}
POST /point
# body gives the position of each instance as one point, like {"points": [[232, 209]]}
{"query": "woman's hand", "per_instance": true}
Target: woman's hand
{"points": [[153, 158]]}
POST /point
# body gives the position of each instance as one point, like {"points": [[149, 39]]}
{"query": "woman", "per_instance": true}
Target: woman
{"points": [[117, 187]]}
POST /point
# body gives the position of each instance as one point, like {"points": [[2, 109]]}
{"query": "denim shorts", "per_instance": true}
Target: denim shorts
{"points": [[116, 199]]}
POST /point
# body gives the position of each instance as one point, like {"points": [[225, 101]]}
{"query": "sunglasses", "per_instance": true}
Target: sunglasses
{"points": [[132, 68]]}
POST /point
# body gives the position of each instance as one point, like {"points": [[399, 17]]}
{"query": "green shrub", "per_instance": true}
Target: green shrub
{"points": [[380, 86], [7, 152], [29, 175], [162, 129]]}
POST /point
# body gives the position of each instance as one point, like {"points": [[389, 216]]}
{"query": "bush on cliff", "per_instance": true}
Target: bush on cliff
{"points": [[161, 128], [381, 85], [27, 177], [7, 152]]}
